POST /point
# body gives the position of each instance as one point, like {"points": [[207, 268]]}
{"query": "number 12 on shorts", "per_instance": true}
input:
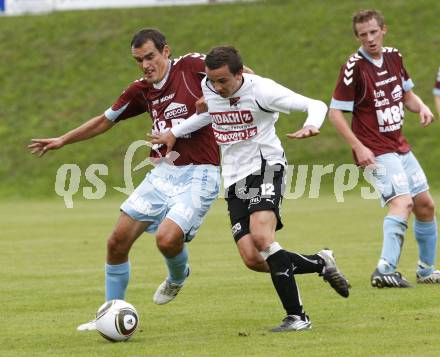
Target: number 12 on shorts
{"points": [[267, 189]]}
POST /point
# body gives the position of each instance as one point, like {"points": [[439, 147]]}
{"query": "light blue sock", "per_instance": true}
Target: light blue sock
{"points": [[178, 267], [116, 280], [394, 229], [426, 235]]}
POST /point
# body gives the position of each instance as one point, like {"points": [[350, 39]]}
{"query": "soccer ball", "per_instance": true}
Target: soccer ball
{"points": [[116, 320]]}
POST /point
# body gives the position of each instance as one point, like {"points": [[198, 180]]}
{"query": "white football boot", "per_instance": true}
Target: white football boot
{"points": [[433, 278], [293, 323], [88, 326], [167, 292]]}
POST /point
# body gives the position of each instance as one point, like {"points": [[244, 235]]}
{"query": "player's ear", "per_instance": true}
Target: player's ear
{"points": [[384, 29], [166, 51]]}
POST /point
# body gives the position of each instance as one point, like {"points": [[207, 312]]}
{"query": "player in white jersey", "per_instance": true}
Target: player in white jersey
{"points": [[243, 110]]}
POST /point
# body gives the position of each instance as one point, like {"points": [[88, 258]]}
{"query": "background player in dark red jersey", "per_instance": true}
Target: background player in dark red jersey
{"points": [[173, 199], [436, 92], [374, 85]]}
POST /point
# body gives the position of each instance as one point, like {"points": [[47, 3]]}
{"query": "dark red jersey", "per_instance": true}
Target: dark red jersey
{"points": [[373, 91], [436, 90], [169, 106]]}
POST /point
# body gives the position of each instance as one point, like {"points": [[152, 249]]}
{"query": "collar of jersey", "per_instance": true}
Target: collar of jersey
{"points": [[377, 63], [162, 82]]}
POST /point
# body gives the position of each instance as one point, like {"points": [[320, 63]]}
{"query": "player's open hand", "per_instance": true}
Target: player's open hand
{"points": [[168, 139], [426, 116], [306, 132], [40, 146]]}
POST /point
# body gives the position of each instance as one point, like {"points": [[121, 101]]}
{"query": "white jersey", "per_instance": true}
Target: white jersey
{"points": [[244, 124]]}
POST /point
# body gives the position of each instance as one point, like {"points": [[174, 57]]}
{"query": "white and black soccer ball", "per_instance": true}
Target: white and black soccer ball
{"points": [[117, 320]]}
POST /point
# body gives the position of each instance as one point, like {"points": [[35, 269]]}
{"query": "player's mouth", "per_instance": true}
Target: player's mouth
{"points": [[149, 73]]}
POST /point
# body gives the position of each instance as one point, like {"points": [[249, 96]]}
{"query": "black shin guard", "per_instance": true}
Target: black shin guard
{"points": [[282, 277]]}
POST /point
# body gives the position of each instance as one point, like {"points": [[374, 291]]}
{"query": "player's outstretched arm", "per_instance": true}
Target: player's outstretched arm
{"points": [[416, 105], [89, 129], [189, 125], [364, 155], [316, 111]]}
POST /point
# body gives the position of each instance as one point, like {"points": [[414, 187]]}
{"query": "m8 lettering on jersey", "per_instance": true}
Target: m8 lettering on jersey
{"points": [[160, 126], [390, 119]]}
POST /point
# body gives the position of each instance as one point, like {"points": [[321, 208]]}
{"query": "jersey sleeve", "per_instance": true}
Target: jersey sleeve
{"points": [[436, 89], [408, 84], [274, 97], [345, 92], [193, 62], [193, 123], [129, 104]]}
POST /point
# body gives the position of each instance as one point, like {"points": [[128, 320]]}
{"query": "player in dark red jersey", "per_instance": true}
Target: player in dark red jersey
{"points": [[173, 199], [436, 92], [375, 86]]}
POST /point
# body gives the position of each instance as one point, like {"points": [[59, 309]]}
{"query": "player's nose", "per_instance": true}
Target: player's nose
{"points": [[145, 64], [217, 87]]}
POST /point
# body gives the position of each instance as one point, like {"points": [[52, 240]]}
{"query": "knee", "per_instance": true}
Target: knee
{"points": [[116, 247], [402, 206], [430, 207], [261, 240], [168, 244], [425, 210], [255, 262]]}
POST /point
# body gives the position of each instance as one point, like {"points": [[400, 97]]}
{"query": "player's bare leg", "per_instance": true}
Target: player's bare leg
{"points": [[117, 274], [117, 270], [125, 233], [250, 255], [170, 242]]}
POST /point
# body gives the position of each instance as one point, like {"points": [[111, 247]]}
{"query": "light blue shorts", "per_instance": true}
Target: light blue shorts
{"points": [[397, 175], [180, 193]]}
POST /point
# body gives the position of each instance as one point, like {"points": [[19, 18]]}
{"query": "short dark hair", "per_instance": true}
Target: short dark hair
{"points": [[366, 15], [149, 34], [224, 55]]}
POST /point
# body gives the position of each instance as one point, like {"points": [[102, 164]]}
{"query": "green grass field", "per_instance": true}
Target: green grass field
{"points": [[52, 280], [58, 70]]}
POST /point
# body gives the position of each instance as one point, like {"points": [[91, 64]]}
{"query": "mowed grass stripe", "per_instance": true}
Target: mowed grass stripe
{"points": [[52, 280]]}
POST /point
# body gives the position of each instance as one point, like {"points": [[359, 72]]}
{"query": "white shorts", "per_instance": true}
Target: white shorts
{"points": [[180, 193], [399, 174]]}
